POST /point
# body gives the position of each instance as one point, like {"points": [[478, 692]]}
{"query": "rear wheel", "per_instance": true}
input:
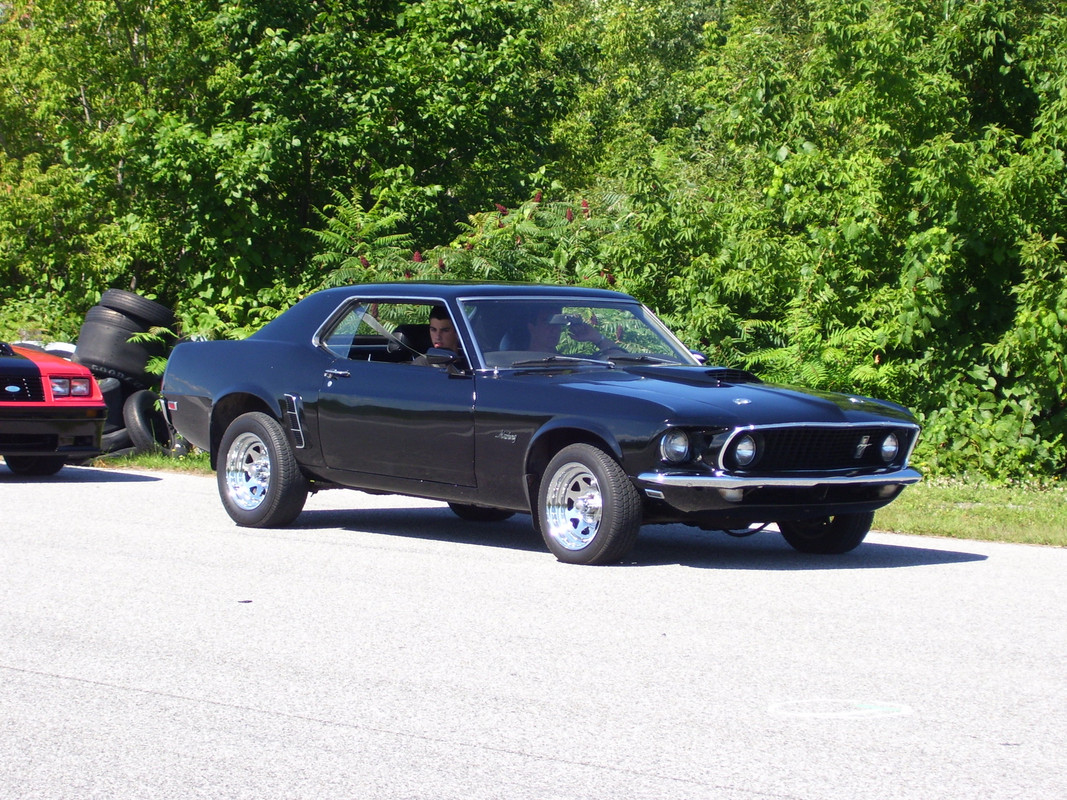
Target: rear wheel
{"points": [[827, 535], [259, 481], [35, 465], [479, 513], [588, 511]]}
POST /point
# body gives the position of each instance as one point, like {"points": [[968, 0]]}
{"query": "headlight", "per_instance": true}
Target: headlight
{"points": [[674, 446], [890, 447], [745, 450], [71, 387]]}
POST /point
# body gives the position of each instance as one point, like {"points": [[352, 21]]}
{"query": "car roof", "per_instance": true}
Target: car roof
{"points": [[451, 290], [313, 309]]}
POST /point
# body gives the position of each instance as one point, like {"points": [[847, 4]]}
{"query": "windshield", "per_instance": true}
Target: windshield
{"points": [[523, 332]]}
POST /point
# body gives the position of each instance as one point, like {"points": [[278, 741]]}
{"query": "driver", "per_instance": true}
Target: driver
{"points": [[443, 336], [546, 327]]}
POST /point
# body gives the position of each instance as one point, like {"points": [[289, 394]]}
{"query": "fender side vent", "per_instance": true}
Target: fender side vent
{"points": [[294, 417]]}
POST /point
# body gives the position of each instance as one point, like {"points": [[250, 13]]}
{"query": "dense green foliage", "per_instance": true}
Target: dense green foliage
{"points": [[868, 196]]}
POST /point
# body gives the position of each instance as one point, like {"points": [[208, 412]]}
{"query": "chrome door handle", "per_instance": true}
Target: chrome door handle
{"points": [[338, 373]]}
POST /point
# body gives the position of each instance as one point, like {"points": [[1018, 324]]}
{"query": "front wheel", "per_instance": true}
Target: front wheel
{"points": [[827, 535], [35, 465], [259, 481], [588, 512]]}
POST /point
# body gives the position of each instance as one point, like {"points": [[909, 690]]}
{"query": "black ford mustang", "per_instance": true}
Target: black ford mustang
{"points": [[576, 406]]}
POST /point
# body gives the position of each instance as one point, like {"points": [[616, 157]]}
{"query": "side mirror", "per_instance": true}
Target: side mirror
{"points": [[439, 357], [703, 359]]}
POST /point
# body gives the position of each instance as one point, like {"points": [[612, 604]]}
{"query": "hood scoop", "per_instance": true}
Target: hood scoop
{"points": [[726, 375], [696, 376]]}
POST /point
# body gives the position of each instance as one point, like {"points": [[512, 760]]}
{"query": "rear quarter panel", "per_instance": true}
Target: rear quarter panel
{"points": [[201, 374]]}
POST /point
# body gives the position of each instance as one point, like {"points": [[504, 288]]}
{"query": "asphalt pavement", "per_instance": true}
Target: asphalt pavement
{"points": [[383, 648]]}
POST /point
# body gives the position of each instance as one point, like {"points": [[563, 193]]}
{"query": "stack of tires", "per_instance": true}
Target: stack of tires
{"points": [[135, 422]]}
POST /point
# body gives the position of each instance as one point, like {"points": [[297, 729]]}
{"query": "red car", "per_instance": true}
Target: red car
{"points": [[51, 411]]}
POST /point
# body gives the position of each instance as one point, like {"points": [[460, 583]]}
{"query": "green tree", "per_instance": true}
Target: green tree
{"points": [[195, 141]]}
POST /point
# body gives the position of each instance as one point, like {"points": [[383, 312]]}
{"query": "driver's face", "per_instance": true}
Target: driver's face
{"points": [[544, 335], [443, 335]]}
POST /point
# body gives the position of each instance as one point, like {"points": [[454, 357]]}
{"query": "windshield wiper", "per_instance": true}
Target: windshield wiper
{"points": [[644, 358], [558, 359]]}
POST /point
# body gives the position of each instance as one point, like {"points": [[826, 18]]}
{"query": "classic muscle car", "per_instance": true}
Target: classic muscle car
{"points": [[51, 411], [576, 406]]}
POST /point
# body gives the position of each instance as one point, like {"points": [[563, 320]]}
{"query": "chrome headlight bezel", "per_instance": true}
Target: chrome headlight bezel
{"points": [[890, 448], [744, 451], [675, 446]]}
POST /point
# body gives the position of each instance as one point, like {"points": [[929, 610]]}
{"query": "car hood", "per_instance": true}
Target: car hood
{"points": [[14, 363], [692, 395]]}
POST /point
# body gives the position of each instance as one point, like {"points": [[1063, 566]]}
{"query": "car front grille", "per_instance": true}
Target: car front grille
{"points": [[21, 389], [831, 447]]}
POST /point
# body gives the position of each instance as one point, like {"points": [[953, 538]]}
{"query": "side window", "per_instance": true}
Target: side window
{"points": [[340, 339], [381, 330]]}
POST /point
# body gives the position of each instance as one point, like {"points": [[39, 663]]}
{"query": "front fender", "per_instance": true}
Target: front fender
{"points": [[556, 434]]}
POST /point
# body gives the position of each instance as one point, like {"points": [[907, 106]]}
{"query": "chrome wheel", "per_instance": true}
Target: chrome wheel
{"points": [[588, 511], [259, 479], [248, 471], [574, 506]]}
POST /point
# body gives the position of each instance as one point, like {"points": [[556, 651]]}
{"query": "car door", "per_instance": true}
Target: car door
{"points": [[396, 418]]}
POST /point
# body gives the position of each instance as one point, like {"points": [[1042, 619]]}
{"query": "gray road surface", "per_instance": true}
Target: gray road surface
{"points": [[382, 648]]}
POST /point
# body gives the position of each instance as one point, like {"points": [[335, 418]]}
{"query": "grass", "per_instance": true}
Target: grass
{"points": [[194, 462], [975, 509], [956, 508]]}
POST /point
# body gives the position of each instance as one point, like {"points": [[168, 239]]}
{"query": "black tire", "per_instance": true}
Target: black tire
{"points": [[480, 513], [104, 347], [828, 535], [145, 422], [113, 441], [114, 319], [115, 396], [35, 465], [259, 481], [148, 312], [588, 512]]}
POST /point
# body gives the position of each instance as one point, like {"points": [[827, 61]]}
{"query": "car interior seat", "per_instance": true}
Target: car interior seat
{"points": [[515, 339], [411, 337]]}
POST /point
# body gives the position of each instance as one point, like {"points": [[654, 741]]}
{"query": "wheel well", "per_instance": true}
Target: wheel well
{"points": [[227, 410], [547, 445]]}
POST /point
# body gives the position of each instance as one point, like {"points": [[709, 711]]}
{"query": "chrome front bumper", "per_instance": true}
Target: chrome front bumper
{"points": [[718, 480]]}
